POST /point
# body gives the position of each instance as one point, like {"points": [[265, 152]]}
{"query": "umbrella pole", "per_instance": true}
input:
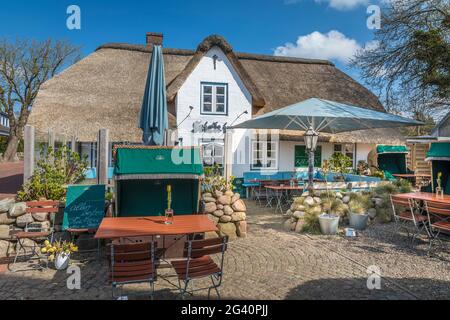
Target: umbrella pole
{"points": [[311, 172]]}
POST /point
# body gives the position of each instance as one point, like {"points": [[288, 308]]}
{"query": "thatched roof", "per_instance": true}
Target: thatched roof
{"points": [[105, 89]]}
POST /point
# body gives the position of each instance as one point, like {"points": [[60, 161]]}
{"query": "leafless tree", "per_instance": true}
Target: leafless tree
{"points": [[24, 66], [410, 64]]}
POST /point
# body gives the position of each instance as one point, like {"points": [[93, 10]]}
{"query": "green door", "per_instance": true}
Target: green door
{"points": [[301, 157]]}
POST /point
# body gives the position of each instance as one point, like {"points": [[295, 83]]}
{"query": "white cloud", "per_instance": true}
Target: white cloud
{"points": [[329, 46], [345, 4], [337, 4]]}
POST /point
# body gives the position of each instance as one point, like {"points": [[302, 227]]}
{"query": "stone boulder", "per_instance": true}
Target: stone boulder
{"points": [[28, 244], [210, 207], [23, 220], [239, 206], [224, 200], [309, 201], [299, 226], [225, 218], [207, 194], [6, 219], [229, 193], [213, 218], [289, 224], [346, 199], [241, 229], [228, 210], [218, 193], [211, 235], [208, 199], [17, 209], [227, 229], [40, 216], [218, 213], [6, 204], [238, 216], [4, 231], [372, 213], [235, 197], [317, 200], [298, 214], [6, 248], [36, 226], [220, 206]]}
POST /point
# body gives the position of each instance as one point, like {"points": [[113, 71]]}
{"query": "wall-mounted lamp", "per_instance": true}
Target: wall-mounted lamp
{"points": [[188, 115], [237, 118]]}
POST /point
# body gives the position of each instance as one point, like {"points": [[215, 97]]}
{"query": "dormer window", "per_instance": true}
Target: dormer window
{"points": [[214, 98]]}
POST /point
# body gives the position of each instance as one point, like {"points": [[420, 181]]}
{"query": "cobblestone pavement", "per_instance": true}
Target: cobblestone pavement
{"points": [[11, 178], [274, 264]]}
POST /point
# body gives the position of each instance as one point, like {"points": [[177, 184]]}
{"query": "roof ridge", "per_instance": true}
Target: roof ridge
{"points": [[240, 55]]}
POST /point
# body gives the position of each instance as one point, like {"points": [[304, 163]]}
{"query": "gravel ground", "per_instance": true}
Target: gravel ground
{"points": [[274, 264]]}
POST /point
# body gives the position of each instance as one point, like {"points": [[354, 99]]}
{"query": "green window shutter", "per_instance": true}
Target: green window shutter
{"points": [[301, 158]]}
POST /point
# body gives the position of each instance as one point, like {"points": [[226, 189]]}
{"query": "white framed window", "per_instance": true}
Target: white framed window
{"points": [[213, 152], [264, 155], [346, 148], [214, 98]]}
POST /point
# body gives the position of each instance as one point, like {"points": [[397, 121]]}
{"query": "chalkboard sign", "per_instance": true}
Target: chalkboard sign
{"points": [[85, 207], [301, 157]]}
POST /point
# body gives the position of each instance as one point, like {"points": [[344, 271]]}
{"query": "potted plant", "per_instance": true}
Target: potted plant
{"points": [[340, 164], [358, 215], [59, 253], [328, 221]]}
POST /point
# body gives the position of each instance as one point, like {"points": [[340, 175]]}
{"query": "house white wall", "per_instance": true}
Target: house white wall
{"points": [[239, 100]]}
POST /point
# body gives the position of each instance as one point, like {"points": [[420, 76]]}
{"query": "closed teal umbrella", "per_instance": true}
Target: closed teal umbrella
{"points": [[153, 117]]}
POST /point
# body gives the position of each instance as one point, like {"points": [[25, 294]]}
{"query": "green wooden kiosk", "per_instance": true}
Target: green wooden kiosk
{"points": [[390, 159], [141, 176], [439, 155]]}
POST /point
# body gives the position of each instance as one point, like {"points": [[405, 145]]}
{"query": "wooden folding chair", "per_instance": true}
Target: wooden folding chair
{"points": [[439, 221], [406, 218], [198, 264], [132, 263], [34, 233]]}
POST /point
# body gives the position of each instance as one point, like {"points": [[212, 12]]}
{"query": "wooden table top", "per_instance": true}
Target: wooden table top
{"points": [[426, 196], [285, 187], [114, 228]]}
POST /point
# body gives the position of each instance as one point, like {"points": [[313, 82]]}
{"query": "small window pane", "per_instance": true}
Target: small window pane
{"points": [[220, 90], [220, 99], [220, 107], [207, 98], [207, 89], [338, 147], [207, 107]]}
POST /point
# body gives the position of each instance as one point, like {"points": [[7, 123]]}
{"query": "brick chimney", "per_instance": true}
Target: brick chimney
{"points": [[154, 38]]}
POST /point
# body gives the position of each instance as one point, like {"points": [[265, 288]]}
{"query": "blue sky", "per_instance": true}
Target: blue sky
{"points": [[256, 26]]}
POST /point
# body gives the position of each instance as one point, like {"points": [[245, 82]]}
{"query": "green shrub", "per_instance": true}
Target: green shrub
{"points": [[359, 203], [340, 164], [54, 170], [334, 206], [311, 221], [214, 180], [403, 185]]}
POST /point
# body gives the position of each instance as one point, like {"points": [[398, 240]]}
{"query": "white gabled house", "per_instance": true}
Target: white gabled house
{"points": [[208, 90]]}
